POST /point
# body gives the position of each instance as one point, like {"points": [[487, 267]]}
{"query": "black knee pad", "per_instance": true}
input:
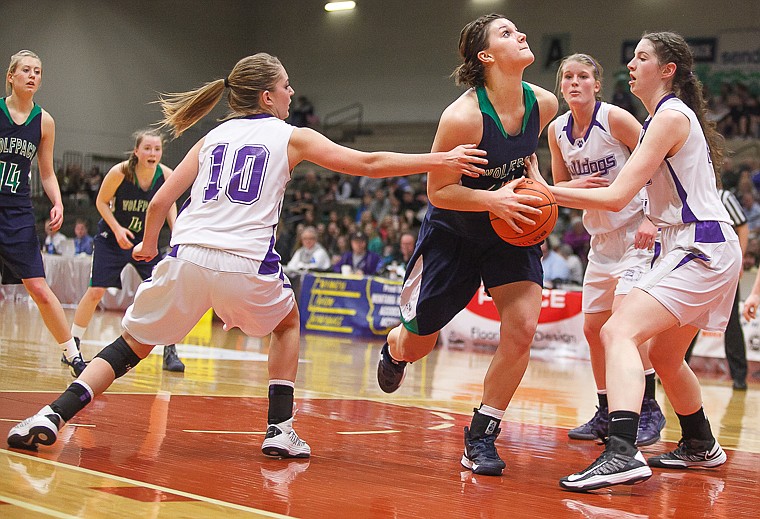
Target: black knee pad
{"points": [[120, 356]]}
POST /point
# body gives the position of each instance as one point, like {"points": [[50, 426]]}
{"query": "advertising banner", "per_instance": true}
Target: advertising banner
{"points": [[365, 306], [368, 306], [559, 333]]}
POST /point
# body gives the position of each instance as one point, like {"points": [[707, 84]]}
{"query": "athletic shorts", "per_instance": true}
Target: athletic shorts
{"points": [[20, 256], [614, 267], [446, 270], [696, 280], [108, 260], [183, 288]]}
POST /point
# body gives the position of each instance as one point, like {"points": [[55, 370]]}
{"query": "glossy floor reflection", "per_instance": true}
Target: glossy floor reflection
{"points": [[161, 444]]}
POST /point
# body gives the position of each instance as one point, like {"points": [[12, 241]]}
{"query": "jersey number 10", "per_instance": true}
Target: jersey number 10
{"points": [[248, 168]]}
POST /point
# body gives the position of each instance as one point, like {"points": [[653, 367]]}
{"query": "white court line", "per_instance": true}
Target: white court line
{"points": [[36, 508], [389, 431], [137, 483], [441, 426], [439, 414], [222, 432], [195, 351]]}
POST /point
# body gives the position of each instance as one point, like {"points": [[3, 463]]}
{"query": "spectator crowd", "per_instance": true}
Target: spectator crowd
{"points": [[364, 226], [338, 223]]}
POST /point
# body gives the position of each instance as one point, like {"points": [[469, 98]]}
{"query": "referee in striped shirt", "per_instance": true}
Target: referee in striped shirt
{"points": [[736, 349]]}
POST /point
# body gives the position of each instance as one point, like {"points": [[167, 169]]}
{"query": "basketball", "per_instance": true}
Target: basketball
{"points": [[544, 222]]}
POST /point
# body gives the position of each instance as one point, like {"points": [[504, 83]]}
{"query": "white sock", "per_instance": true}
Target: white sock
{"points": [[278, 382], [78, 331], [491, 411], [69, 348]]}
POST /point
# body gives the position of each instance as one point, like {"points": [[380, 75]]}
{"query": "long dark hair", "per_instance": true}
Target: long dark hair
{"points": [[672, 48]]}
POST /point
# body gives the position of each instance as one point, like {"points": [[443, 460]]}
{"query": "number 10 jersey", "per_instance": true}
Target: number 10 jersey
{"points": [[236, 199]]}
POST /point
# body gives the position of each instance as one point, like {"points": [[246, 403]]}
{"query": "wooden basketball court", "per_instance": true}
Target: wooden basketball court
{"points": [[161, 444]]}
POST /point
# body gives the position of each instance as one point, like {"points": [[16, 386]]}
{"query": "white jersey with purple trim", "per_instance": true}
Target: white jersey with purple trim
{"points": [[597, 152], [683, 189], [235, 200]]}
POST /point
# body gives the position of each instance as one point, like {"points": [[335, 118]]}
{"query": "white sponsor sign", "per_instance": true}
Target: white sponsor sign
{"points": [[739, 50], [560, 330]]}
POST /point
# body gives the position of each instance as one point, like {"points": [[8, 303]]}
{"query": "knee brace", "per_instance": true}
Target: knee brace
{"points": [[120, 356]]}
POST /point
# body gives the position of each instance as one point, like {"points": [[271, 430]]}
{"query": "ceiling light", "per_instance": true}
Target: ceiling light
{"points": [[339, 6]]}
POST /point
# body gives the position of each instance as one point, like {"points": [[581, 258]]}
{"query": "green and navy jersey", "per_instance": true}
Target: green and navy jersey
{"points": [[130, 204], [18, 147], [506, 162]]}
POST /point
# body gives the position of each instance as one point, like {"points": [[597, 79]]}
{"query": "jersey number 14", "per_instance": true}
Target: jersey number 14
{"points": [[9, 176]]}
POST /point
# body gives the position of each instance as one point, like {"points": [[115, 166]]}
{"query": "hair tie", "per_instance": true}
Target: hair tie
{"points": [[226, 83]]}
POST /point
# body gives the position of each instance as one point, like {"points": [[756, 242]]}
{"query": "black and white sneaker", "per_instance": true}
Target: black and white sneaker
{"points": [[619, 464], [691, 453], [77, 363], [40, 429], [480, 454], [390, 373], [281, 441], [78, 341]]}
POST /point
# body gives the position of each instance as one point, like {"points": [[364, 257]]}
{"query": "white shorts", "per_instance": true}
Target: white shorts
{"points": [[183, 288], [614, 267], [696, 281]]}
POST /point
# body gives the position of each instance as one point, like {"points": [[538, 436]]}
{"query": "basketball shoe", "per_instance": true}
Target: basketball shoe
{"points": [[78, 341], [171, 360], [42, 428], [619, 464], [76, 364], [691, 453], [593, 429], [281, 441], [651, 422], [480, 454], [390, 373]]}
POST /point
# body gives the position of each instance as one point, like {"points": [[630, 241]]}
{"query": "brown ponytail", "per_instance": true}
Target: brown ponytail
{"points": [[250, 77]]}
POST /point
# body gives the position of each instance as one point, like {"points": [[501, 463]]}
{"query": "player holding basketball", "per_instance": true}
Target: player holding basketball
{"points": [[589, 144], [458, 249], [223, 253], [129, 186], [27, 130], [693, 280]]}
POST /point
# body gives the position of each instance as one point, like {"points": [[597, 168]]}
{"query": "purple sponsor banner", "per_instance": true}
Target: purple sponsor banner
{"points": [[364, 306]]}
